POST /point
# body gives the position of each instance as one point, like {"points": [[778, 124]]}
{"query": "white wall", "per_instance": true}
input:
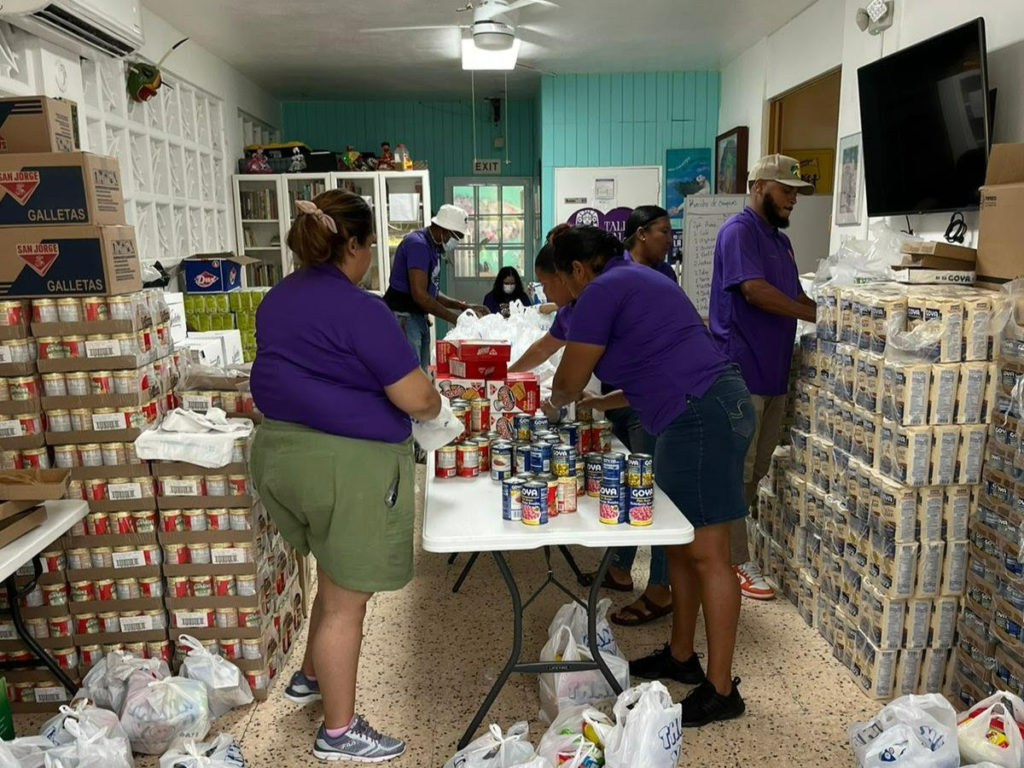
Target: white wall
{"points": [[826, 35]]}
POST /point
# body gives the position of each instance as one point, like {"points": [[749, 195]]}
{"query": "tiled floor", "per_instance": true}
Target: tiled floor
{"points": [[429, 657]]}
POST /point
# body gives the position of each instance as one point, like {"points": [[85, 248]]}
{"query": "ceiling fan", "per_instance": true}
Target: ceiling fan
{"points": [[494, 22]]}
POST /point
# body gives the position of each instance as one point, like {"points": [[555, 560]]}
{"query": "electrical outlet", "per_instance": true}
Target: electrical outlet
{"points": [[877, 9]]}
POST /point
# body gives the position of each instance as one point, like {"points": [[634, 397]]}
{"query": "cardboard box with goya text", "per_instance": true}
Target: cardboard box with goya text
{"points": [[38, 124], [73, 188]]}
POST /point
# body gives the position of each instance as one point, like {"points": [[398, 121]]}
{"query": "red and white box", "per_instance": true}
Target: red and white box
{"points": [[444, 351], [478, 369], [516, 393], [480, 351], [465, 389]]}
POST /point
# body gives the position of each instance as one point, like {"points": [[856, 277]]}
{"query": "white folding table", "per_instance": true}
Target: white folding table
{"points": [[464, 515], [60, 517]]}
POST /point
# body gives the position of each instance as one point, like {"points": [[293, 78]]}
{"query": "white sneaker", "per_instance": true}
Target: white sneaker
{"points": [[752, 583]]}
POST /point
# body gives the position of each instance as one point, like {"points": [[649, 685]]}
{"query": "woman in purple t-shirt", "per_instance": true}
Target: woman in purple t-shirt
{"points": [[633, 327], [337, 383]]}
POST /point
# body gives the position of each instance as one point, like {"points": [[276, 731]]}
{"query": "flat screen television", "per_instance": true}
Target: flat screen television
{"points": [[925, 123]]}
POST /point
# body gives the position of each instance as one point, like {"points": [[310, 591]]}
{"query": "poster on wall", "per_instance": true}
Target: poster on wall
{"points": [[613, 221], [687, 172], [731, 161], [851, 187]]}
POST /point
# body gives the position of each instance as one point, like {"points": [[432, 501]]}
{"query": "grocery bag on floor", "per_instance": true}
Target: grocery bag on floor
{"points": [[574, 616], [222, 752], [993, 731], [909, 732], [577, 734], [492, 750], [648, 730], [156, 712], [89, 720], [107, 682], [24, 752], [559, 690], [226, 686], [93, 750]]}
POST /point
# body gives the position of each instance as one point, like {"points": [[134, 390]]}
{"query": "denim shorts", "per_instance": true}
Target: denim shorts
{"points": [[698, 461]]}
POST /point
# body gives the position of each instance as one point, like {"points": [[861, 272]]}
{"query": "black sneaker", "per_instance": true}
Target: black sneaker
{"points": [[662, 665], [706, 705]]}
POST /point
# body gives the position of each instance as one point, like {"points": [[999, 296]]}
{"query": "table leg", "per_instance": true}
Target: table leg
{"points": [[592, 600], [26, 637], [513, 658], [581, 578], [465, 571]]}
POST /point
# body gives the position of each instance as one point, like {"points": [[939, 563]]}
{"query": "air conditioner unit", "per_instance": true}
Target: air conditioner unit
{"points": [[113, 27]]}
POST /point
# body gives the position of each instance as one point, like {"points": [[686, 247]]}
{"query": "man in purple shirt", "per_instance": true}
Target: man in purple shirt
{"points": [[414, 289], [756, 300]]}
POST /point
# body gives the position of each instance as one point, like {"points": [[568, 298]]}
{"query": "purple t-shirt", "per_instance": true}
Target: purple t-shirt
{"points": [[657, 350], [560, 327], [416, 251], [662, 267], [760, 343], [325, 351]]}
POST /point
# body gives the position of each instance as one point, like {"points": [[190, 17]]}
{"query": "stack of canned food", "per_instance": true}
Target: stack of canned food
{"points": [[229, 400], [626, 490], [226, 519], [202, 553], [233, 649], [115, 523], [243, 585], [95, 455], [143, 308], [204, 485]]}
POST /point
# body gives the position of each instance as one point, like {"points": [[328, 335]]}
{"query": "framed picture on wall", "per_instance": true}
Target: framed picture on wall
{"points": [[816, 167], [851, 181], [687, 172], [731, 161]]}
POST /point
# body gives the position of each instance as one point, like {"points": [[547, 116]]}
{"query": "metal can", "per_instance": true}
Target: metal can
{"points": [[102, 557], [55, 594], [480, 415], [501, 460], [249, 617], [600, 436], [60, 626], [33, 599], [58, 421], [552, 483], [229, 401], [90, 453], [108, 414], [45, 311], [54, 385], [484, 446], [221, 519], [120, 522], [512, 499], [610, 508], [35, 458], [66, 658], [238, 485], [176, 554], [238, 451], [69, 310], [53, 561], [144, 521], [201, 586], [194, 618], [197, 481], [74, 346], [445, 462], [76, 489], [95, 309], [66, 456], [245, 585], [11, 460], [126, 382], [252, 648], [13, 313], [31, 423], [96, 489], [613, 468], [641, 505], [102, 382], [639, 470], [467, 460], [105, 589], [245, 548], [258, 681], [569, 434], [521, 457], [172, 521], [540, 458], [216, 485], [113, 454], [199, 553], [5, 389], [127, 589], [23, 692], [224, 586], [563, 460], [89, 655], [226, 618], [152, 586], [24, 388], [78, 384], [194, 519], [534, 503], [178, 586], [79, 559], [83, 591], [522, 424], [87, 624], [38, 628], [231, 649], [567, 502], [538, 423], [159, 649], [50, 348], [122, 307], [131, 455]]}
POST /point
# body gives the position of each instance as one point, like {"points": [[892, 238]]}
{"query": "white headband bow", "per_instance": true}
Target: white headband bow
{"points": [[307, 207]]}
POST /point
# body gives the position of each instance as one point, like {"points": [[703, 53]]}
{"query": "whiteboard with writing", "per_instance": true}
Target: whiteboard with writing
{"points": [[704, 216]]}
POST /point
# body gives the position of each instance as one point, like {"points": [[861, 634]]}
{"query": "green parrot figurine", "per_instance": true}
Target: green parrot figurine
{"points": [[144, 79]]}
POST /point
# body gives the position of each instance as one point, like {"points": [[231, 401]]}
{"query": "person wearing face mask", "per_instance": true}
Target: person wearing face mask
{"points": [[414, 291], [756, 300], [632, 327], [508, 287]]}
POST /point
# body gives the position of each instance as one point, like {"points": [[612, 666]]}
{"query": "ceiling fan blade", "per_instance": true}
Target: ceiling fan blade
{"points": [[518, 4], [411, 29]]}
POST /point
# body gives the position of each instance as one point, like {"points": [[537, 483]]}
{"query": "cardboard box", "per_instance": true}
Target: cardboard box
{"points": [[74, 188], [517, 393], [917, 275], [230, 341], [491, 369], [38, 124], [937, 255], [202, 351], [19, 524], [444, 350], [33, 484], [454, 388], [68, 261], [1001, 218], [214, 272], [93, 436], [48, 697], [176, 307]]}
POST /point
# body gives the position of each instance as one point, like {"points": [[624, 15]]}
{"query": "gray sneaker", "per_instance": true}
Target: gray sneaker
{"points": [[302, 690], [359, 744]]}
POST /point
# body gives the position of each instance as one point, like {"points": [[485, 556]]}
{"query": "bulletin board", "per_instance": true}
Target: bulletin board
{"points": [[606, 188], [704, 216]]}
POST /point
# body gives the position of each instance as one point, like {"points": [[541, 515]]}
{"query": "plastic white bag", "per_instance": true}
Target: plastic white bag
{"points": [[439, 431], [221, 752], [226, 686], [993, 731], [106, 683], [648, 730], [574, 616], [583, 721], [909, 732], [89, 720], [93, 750], [25, 752], [492, 750], [559, 690], [156, 712]]}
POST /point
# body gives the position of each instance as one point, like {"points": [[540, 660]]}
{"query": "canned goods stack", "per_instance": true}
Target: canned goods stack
{"points": [[200, 391], [22, 441], [225, 311], [867, 520]]}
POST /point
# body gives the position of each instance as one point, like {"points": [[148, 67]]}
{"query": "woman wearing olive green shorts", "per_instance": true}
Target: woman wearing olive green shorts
{"points": [[333, 462]]}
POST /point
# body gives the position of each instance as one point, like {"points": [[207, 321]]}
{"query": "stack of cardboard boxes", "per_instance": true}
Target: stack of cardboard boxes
{"points": [[863, 522]]}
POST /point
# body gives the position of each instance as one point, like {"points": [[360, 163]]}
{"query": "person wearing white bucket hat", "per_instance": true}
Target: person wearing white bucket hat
{"points": [[414, 290]]}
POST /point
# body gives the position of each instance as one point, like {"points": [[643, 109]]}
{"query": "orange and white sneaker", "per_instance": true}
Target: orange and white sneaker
{"points": [[752, 583]]}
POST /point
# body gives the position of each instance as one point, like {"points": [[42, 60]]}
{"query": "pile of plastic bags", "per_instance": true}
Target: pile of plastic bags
{"points": [[521, 328], [925, 732]]}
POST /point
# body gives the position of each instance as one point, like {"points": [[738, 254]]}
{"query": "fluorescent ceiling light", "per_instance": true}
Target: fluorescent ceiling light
{"points": [[477, 58]]}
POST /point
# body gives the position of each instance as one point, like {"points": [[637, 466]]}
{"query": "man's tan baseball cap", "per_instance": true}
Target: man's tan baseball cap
{"points": [[781, 169]]}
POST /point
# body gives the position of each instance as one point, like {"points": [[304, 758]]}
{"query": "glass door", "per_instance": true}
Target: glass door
{"points": [[501, 225], [365, 185]]}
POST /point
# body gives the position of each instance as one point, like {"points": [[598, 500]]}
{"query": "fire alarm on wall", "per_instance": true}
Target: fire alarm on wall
{"points": [[876, 17]]}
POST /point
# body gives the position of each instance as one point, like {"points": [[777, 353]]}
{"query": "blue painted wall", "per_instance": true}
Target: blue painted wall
{"points": [[622, 119], [440, 132]]}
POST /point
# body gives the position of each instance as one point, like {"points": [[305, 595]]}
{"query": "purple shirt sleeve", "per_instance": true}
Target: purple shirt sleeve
{"points": [[381, 345], [594, 316], [490, 303], [560, 327], [741, 257]]}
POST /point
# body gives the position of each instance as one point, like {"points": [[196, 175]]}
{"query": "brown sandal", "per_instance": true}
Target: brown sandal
{"points": [[634, 616], [607, 583]]}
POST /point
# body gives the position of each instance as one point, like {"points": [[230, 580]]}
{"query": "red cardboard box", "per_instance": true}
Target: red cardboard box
{"points": [[453, 387], [444, 351], [464, 369], [476, 350], [518, 392]]}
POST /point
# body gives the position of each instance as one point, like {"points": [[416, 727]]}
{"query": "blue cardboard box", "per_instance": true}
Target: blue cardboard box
{"points": [[214, 272], [60, 188]]}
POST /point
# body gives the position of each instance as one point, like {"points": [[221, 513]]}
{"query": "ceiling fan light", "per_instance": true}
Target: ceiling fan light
{"points": [[474, 57], [493, 35]]}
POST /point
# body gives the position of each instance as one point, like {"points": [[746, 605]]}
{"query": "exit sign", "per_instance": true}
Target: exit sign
{"points": [[487, 167]]}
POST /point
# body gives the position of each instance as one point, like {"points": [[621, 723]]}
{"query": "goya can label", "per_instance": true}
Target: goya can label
{"points": [[538, 424], [521, 458], [601, 436], [501, 460], [512, 499], [521, 423], [445, 462], [639, 470], [593, 465], [540, 458], [610, 508], [535, 503], [566, 495], [563, 460], [641, 505], [569, 433], [467, 460], [613, 468]]}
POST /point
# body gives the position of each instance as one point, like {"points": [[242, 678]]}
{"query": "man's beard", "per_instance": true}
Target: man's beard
{"points": [[771, 212]]}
